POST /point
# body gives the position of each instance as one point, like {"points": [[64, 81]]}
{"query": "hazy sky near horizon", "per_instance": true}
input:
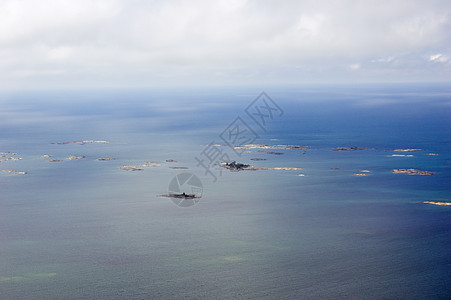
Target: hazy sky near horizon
{"points": [[76, 43]]}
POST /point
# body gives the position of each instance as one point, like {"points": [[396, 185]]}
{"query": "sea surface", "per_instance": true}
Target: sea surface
{"points": [[86, 229]]}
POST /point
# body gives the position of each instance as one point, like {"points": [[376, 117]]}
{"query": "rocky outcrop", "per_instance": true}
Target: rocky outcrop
{"points": [[408, 150], [81, 142], [269, 152], [347, 148], [234, 166], [412, 172], [75, 157], [131, 168], [13, 159], [181, 196], [14, 172], [438, 203], [262, 146]]}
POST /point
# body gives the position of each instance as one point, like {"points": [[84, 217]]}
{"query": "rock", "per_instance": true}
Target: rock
{"points": [[269, 152], [131, 168], [257, 159], [4, 154], [262, 146], [75, 157], [438, 203], [55, 160], [412, 172], [105, 158], [46, 156], [13, 158], [170, 160], [408, 150], [182, 196], [81, 142], [151, 164], [347, 149], [234, 166], [90, 142], [14, 172]]}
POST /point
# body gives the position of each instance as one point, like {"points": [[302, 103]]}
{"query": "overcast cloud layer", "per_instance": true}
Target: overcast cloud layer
{"points": [[58, 43]]}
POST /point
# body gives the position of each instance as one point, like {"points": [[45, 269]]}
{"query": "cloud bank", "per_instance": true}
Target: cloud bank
{"points": [[49, 43]]}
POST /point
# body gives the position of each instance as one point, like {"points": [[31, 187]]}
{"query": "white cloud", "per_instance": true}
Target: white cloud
{"points": [[354, 66], [439, 58], [123, 42]]}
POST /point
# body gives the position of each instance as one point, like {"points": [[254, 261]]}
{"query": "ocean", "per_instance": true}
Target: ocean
{"points": [[87, 229]]}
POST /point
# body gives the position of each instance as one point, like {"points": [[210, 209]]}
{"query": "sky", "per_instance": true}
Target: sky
{"points": [[131, 43]]}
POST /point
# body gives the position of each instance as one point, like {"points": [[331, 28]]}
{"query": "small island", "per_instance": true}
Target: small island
{"points": [[412, 172], [81, 142], [13, 159], [408, 150], [234, 166], [72, 157], [131, 168], [4, 154], [14, 172], [261, 146], [438, 203], [269, 152], [347, 148], [151, 164], [181, 196]]}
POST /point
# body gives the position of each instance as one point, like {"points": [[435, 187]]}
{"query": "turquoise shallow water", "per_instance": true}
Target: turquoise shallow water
{"points": [[85, 229]]}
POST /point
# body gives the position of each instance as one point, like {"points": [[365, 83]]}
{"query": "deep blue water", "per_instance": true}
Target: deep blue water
{"points": [[86, 229]]}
